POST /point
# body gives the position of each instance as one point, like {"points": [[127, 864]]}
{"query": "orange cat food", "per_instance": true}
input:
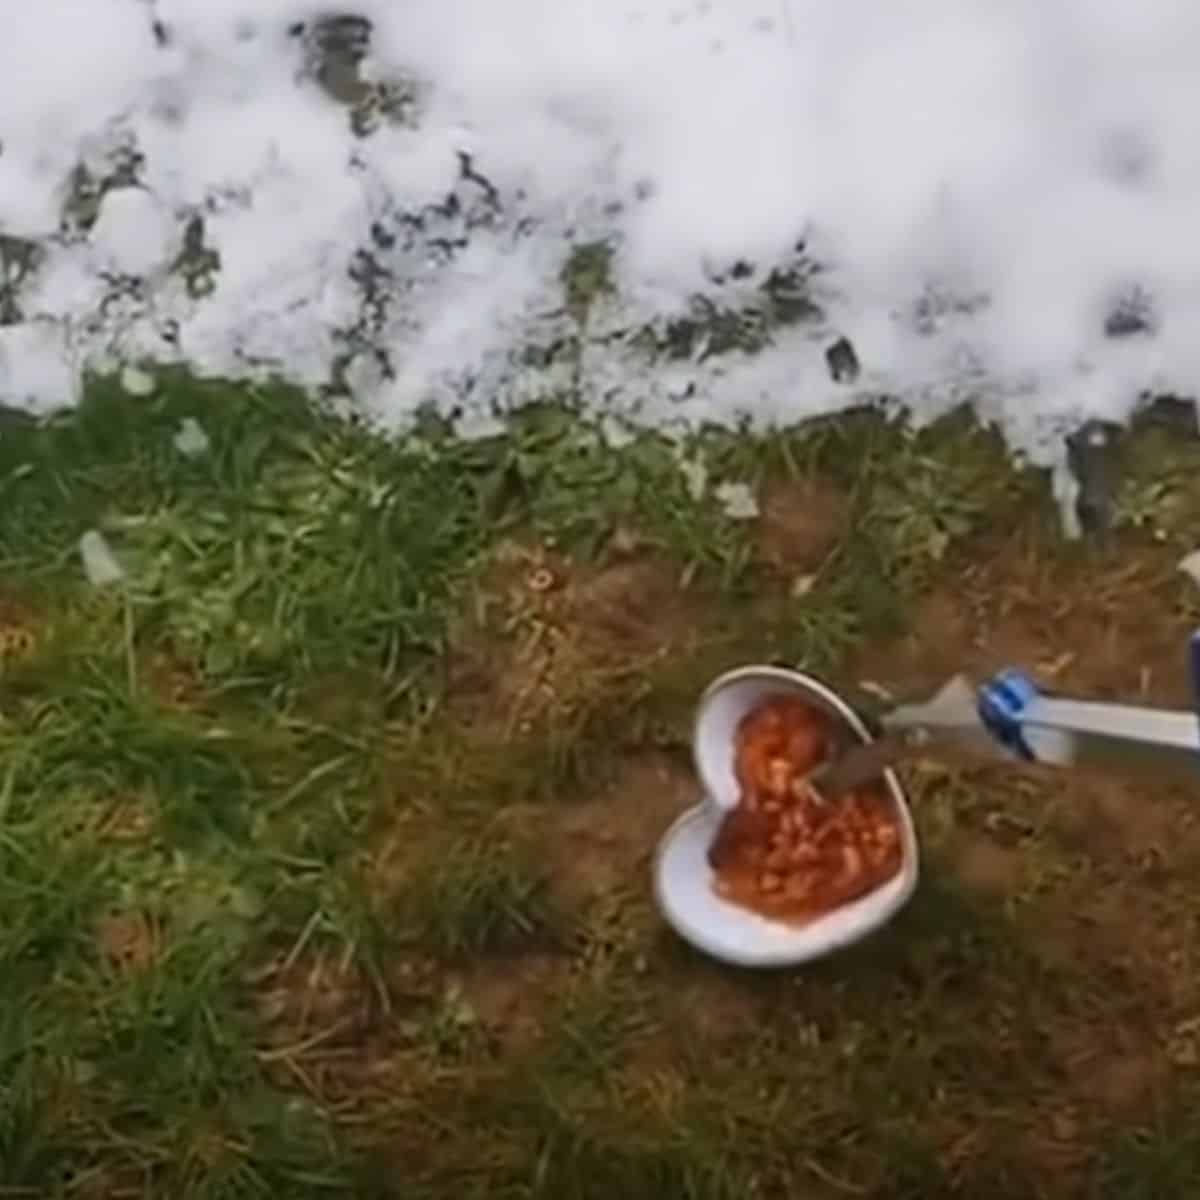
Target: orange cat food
{"points": [[784, 852]]}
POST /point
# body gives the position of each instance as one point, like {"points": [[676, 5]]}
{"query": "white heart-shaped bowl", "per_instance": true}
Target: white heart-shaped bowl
{"points": [[683, 879]]}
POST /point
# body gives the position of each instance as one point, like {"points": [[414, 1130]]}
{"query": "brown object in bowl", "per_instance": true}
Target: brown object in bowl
{"points": [[784, 852]]}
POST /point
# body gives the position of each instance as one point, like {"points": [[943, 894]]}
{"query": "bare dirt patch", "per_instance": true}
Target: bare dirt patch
{"points": [[543, 636], [122, 819], [1102, 627], [984, 866], [1120, 924], [1117, 1072], [129, 819], [16, 642], [175, 682], [1122, 820], [23, 632], [715, 1008], [1054, 1145], [318, 1017], [943, 638], [129, 942], [607, 842], [510, 996], [312, 997], [801, 521]]}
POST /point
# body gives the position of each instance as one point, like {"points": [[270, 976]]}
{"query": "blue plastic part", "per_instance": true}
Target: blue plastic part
{"points": [[1002, 704], [1194, 658]]}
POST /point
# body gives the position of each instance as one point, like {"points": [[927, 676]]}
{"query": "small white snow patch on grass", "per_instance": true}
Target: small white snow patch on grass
{"points": [[802, 585], [100, 565], [695, 475], [737, 499], [1066, 495], [1190, 566], [136, 382], [191, 441], [616, 433]]}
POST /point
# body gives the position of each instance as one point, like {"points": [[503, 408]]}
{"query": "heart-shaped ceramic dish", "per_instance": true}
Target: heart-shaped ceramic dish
{"points": [[683, 879]]}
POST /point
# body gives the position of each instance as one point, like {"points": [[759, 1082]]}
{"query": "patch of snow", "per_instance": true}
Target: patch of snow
{"points": [[695, 475], [1190, 566], [100, 565], [1001, 199], [738, 501], [134, 234], [802, 585], [38, 369], [1066, 492], [191, 441]]}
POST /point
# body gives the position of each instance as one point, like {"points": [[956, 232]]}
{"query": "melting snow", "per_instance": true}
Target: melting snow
{"points": [[100, 565], [1000, 200]]}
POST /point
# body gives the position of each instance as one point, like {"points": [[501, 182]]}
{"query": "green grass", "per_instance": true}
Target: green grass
{"points": [[476, 897], [290, 906]]}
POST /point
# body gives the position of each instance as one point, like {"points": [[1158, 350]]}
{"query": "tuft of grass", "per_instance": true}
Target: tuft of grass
{"points": [[921, 494], [1155, 1160], [575, 1165], [296, 543], [475, 896], [558, 477]]}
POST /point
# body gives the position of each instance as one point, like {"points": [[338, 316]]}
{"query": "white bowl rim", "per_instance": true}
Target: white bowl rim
{"points": [[708, 809]]}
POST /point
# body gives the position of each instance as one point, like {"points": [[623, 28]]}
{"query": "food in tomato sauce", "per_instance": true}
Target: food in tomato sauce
{"points": [[785, 852]]}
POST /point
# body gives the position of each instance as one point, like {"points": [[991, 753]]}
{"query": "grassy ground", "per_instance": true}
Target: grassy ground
{"points": [[325, 836]]}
